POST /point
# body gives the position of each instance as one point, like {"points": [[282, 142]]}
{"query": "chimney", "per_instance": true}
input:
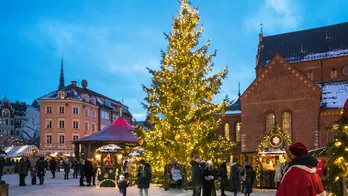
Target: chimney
{"points": [[74, 83]]}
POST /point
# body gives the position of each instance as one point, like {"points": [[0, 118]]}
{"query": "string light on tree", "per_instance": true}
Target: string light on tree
{"points": [[181, 109], [338, 156]]}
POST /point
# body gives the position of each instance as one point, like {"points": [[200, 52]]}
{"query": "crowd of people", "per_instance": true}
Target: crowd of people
{"points": [[299, 177]]}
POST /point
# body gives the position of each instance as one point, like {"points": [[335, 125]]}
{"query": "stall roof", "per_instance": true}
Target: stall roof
{"points": [[19, 151], [117, 132]]}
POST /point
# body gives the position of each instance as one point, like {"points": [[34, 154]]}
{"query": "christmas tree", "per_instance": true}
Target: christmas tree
{"points": [[338, 156], [179, 101]]}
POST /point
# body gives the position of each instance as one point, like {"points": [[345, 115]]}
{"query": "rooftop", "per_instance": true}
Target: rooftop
{"points": [[334, 94], [306, 45]]}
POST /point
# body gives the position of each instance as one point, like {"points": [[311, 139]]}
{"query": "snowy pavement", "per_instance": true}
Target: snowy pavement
{"points": [[61, 187]]}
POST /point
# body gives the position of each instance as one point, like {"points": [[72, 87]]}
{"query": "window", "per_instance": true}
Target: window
{"points": [[86, 126], [104, 115], [86, 112], [75, 110], [93, 113], [61, 139], [238, 127], [12, 132], [227, 131], [49, 139], [93, 126], [93, 100], [114, 117], [5, 112], [6, 121], [11, 122], [61, 109], [345, 70], [75, 137], [75, 124], [270, 121], [17, 132], [61, 124], [286, 122], [49, 123], [310, 75], [49, 110], [333, 73]]}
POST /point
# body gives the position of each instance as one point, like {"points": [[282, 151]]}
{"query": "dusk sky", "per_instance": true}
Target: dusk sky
{"points": [[111, 42]]}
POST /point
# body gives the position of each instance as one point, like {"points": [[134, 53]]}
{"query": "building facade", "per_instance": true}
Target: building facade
{"points": [[301, 84], [74, 112], [11, 117]]}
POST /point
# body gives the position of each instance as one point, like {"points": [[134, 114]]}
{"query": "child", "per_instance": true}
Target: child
{"points": [[33, 175], [122, 185]]}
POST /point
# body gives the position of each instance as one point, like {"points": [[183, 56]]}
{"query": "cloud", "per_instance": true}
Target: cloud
{"points": [[274, 14]]}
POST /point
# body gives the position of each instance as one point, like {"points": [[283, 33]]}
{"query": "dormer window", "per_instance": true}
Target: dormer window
{"points": [[61, 95], [310, 75], [5, 113], [333, 73], [93, 100]]}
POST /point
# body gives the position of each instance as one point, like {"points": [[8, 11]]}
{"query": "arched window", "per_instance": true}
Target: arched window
{"points": [[310, 75], [333, 73], [238, 126], [5, 112], [227, 131], [270, 121], [286, 122]]}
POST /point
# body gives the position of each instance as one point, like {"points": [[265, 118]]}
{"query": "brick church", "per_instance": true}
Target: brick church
{"points": [[301, 84]]}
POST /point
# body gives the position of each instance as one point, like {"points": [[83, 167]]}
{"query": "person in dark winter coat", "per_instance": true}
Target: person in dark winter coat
{"points": [[197, 176], [41, 166], [122, 185], [53, 167], [22, 171], [33, 175], [28, 163], [75, 166], [88, 171], [2, 164], [144, 178], [223, 177], [82, 172], [249, 175], [236, 171], [300, 176], [66, 165], [210, 175]]}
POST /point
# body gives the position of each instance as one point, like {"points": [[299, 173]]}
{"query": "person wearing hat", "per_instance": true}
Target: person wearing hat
{"points": [[144, 178], [300, 177]]}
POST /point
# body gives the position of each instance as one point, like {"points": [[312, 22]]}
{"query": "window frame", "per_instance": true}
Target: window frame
{"points": [[61, 109], [50, 123], [289, 124], [227, 131], [48, 110], [47, 135], [75, 108], [77, 123], [60, 136], [267, 120]]}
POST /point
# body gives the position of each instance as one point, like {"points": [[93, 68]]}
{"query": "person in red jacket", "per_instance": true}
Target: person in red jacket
{"points": [[300, 177]]}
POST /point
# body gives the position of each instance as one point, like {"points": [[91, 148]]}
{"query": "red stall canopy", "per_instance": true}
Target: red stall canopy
{"points": [[119, 131]]}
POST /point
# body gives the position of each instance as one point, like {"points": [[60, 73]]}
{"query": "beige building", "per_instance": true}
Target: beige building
{"points": [[73, 112]]}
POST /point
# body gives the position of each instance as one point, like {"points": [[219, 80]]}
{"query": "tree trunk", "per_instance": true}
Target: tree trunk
{"points": [[344, 185]]}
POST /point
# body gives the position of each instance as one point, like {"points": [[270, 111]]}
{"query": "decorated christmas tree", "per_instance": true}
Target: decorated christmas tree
{"points": [[179, 101], [338, 157]]}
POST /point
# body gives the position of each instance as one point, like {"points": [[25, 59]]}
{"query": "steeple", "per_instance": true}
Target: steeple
{"points": [[238, 89], [61, 78]]}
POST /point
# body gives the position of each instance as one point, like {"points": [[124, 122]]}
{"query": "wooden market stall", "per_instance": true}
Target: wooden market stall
{"points": [[270, 157], [108, 147]]}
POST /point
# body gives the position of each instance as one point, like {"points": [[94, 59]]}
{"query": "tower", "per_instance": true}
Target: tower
{"points": [[61, 78]]}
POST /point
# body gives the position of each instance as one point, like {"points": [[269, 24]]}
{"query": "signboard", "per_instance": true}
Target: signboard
{"points": [[276, 140]]}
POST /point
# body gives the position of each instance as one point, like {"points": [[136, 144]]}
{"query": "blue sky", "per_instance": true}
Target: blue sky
{"points": [[111, 42]]}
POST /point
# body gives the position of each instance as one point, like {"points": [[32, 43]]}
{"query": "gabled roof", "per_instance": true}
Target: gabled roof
{"points": [[119, 131], [318, 43], [334, 94]]}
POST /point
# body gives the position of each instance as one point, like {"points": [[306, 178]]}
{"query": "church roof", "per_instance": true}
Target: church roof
{"points": [[234, 108], [334, 94], [306, 45]]}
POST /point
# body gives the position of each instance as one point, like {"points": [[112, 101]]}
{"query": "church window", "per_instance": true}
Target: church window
{"points": [[238, 127], [286, 122], [310, 75], [270, 121], [333, 73], [227, 131]]}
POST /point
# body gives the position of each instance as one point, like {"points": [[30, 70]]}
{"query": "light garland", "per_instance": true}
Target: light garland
{"points": [[179, 100], [276, 130]]}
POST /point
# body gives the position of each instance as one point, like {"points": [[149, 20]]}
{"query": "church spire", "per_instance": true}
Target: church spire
{"points": [[61, 78], [238, 89]]}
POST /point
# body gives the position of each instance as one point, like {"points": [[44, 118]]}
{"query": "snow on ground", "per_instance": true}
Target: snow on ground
{"points": [[61, 187]]}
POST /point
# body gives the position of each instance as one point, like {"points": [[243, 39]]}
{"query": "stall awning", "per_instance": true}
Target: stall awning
{"points": [[117, 132], [19, 151]]}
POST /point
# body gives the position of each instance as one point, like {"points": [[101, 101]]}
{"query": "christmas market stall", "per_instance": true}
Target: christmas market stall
{"points": [[270, 157], [108, 148]]}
